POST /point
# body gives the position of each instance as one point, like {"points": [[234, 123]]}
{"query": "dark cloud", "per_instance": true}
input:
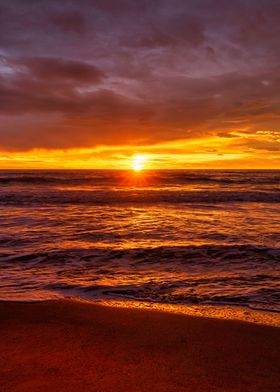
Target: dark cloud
{"points": [[59, 69], [105, 72], [69, 22], [183, 30]]}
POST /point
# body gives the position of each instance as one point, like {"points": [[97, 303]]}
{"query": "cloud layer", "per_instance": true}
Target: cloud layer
{"points": [[104, 72]]}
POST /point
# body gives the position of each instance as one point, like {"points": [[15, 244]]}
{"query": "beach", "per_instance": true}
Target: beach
{"points": [[139, 196], [68, 345]]}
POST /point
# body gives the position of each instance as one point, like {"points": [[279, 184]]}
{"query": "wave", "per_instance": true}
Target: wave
{"points": [[212, 254], [153, 178], [52, 180], [136, 196], [244, 275]]}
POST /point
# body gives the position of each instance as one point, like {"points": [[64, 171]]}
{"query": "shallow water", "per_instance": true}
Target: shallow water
{"points": [[184, 237]]}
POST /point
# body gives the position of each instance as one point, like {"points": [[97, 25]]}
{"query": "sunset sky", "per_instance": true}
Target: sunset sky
{"points": [[94, 83]]}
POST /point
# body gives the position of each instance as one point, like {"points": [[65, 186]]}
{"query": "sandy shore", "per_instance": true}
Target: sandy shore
{"points": [[71, 346]]}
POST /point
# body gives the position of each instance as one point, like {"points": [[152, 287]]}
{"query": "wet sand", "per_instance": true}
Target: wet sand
{"points": [[71, 346]]}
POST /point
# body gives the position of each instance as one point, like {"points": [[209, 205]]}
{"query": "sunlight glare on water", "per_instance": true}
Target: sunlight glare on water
{"points": [[180, 237]]}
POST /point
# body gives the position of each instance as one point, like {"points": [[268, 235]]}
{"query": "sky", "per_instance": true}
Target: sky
{"points": [[184, 83]]}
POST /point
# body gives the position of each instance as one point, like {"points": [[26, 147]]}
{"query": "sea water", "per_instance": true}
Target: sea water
{"points": [[176, 237]]}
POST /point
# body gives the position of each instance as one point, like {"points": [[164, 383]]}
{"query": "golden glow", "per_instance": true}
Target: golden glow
{"points": [[210, 152], [138, 162]]}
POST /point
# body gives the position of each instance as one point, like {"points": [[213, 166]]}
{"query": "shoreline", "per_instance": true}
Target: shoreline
{"points": [[66, 345], [220, 312]]}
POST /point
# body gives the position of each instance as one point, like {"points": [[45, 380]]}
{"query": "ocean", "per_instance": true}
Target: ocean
{"points": [[178, 237]]}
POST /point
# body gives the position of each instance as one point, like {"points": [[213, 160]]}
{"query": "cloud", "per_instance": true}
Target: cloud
{"points": [[75, 74], [263, 145], [59, 69], [183, 30], [46, 85], [69, 22]]}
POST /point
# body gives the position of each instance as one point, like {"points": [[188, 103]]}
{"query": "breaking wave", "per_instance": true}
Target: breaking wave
{"points": [[228, 275]]}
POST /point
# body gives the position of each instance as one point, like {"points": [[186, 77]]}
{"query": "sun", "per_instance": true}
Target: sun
{"points": [[138, 162]]}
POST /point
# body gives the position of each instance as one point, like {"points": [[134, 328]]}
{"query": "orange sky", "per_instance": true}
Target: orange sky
{"points": [[206, 153]]}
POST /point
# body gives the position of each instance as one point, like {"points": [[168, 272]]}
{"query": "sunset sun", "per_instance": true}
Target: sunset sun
{"points": [[138, 162]]}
